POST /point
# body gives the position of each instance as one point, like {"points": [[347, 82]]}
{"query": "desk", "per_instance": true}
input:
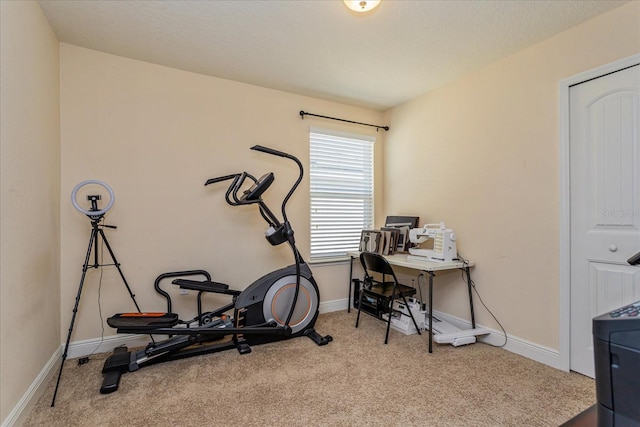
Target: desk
{"points": [[429, 267]]}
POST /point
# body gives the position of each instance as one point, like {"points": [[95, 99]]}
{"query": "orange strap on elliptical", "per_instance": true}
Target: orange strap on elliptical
{"points": [[145, 314]]}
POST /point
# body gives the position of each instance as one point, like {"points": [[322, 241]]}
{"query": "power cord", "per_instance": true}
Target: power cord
{"points": [[473, 286]]}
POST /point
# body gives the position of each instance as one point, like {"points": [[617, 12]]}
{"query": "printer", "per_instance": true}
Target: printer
{"points": [[616, 347]]}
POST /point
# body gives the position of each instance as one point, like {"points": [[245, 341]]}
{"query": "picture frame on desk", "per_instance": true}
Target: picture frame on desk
{"points": [[370, 241], [391, 236]]}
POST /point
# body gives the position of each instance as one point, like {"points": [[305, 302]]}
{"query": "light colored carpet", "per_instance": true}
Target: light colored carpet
{"points": [[354, 381]]}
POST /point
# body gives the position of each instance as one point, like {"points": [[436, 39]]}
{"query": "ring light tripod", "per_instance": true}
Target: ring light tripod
{"points": [[96, 216]]}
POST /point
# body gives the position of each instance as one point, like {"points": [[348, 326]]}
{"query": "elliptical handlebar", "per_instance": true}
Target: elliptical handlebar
{"points": [[235, 186], [295, 185], [232, 197], [220, 179], [271, 151], [286, 231]]}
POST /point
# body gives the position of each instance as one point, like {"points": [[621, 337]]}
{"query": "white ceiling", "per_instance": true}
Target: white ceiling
{"points": [[401, 50]]}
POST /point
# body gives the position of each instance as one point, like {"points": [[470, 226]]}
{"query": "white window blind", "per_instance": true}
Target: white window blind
{"points": [[341, 181]]}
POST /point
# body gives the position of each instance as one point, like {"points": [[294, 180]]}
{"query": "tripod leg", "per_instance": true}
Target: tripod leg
{"points": [[117, 264], [92, 240]]}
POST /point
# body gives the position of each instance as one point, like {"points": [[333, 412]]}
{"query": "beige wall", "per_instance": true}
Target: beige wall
{"points": [[30, 198], [155, 134], [482, 154], [484, 148]]}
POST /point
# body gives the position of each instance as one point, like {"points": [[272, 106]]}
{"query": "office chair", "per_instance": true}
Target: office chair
{"points": [[386, 291]]}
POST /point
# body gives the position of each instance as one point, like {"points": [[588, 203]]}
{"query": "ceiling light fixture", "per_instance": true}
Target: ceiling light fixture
{"points": [[361, 5]]}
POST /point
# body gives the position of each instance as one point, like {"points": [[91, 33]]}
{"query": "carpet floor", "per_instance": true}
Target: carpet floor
{"points": [[356, 380]]}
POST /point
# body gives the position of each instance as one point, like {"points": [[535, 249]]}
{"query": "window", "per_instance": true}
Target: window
{"points": [[341, 181]]}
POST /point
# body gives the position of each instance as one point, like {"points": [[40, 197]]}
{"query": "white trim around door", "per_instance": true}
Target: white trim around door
{"points": [[565, 212]]}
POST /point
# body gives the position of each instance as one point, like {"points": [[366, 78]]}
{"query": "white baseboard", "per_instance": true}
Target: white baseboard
{"points": [[545, 355], [19, 413], [331, 306], [103, 345], [515, 345]]}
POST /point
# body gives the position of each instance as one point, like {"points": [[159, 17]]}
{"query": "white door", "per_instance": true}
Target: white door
{"points": [[604, 146]]}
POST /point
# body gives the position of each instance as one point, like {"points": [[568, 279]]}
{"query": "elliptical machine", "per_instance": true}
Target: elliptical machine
{"points": [[280, 305]]}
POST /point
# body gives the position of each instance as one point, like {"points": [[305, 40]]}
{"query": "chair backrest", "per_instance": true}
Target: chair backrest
{"points": [[376, 263]]}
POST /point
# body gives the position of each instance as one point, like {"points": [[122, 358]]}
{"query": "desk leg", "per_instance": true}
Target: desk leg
{"points": [[431, 311], [350, 282], [473, 317]]}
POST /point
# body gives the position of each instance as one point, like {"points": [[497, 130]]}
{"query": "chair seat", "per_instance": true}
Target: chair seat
{"points": [[385, 289]]}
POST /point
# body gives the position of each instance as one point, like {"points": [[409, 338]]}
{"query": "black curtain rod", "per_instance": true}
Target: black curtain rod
{"points": [[303, 113]]}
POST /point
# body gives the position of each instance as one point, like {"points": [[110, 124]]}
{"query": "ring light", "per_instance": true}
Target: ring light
{"points": [[90, 212]]}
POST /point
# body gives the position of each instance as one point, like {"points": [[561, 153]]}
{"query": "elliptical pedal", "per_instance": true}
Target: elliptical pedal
{"points": [[317, 338], [113, 368]]}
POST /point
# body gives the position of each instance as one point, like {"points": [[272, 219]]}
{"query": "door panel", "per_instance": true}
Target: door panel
{"points": [[612, 286], [605, 202]]}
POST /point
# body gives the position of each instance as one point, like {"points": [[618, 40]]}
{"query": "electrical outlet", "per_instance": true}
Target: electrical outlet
{"points": [[184, 291]]}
